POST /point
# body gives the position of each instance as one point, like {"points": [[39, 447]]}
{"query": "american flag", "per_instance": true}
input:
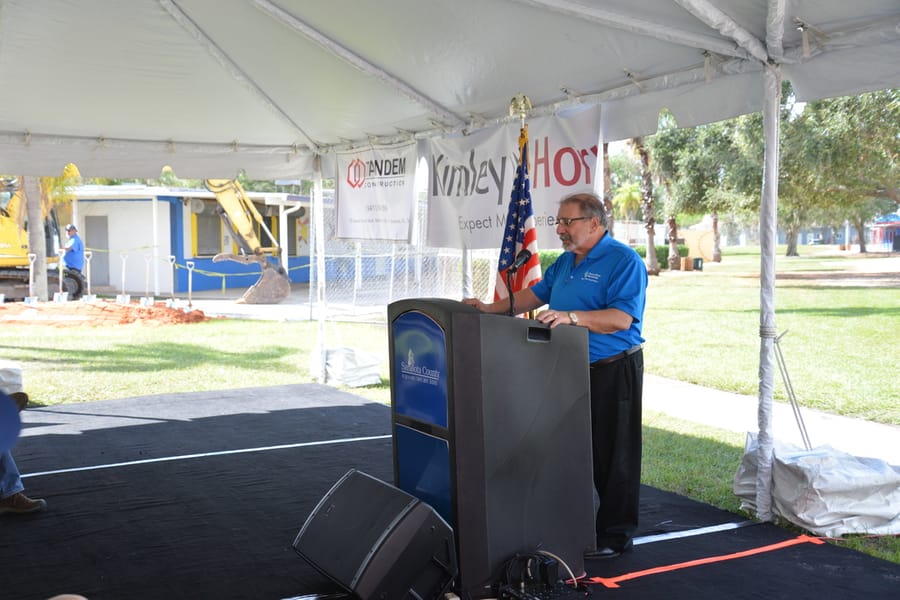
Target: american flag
{"points": [[519, 232]]}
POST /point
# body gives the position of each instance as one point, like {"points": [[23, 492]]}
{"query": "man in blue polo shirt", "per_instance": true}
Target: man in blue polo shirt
{"points": [[74, 256], [600, 283]]}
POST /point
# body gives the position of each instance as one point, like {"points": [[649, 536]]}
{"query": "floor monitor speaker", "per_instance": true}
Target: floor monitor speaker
{"points": [[377, 541]]}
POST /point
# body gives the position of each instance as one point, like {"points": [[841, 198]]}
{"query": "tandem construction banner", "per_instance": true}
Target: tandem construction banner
{"points": [[376, 193], [470, 178]]}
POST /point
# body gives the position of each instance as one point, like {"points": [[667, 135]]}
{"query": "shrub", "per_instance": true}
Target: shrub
{"points": [[548, 257], [662, 253]]}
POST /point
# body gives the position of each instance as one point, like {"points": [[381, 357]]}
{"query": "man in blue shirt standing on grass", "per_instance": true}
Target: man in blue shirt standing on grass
{"points": [[600, 283], [74, 256]]}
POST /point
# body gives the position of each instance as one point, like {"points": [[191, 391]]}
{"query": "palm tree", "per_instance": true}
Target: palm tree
{"points": [[607, 191], [647, 204], [36, 240], [717, 248], [628, 201], [672, 238], [40, 195]]}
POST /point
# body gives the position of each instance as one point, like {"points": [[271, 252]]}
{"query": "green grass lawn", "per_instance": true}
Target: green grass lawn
{"points": [[701, 327], [840, 347]]}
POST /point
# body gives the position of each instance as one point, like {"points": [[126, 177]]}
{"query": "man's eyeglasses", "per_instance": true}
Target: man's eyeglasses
{"points": [[566, 221]]}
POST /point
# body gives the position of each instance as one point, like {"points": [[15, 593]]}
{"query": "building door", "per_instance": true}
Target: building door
{"points": [[96, 238]]}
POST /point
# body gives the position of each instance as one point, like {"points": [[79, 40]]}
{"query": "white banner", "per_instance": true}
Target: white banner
{"points": [[376, 193], [470, 178]]}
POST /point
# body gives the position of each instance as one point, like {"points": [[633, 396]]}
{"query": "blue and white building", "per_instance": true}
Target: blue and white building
{"points": [[143, 239]]}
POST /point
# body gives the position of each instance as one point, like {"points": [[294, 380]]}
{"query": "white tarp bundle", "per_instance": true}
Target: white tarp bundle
{"points": [[349, 366], [825, 491]]}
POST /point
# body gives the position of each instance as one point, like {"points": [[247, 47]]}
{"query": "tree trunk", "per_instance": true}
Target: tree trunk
{"points": [[607, 192], [860, 226], [672, 236], [37, 244], [792, 232], [647, 205], [717, 249]]}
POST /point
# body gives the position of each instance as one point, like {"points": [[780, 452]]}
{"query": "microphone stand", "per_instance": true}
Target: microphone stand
{"points": [[523, 257], [509, 291]]}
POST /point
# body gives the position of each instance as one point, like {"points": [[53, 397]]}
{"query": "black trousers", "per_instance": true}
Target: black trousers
{"points": [[616, 392]]}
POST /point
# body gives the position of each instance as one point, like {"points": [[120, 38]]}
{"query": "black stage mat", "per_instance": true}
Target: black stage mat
{"points": [[201, 495]]}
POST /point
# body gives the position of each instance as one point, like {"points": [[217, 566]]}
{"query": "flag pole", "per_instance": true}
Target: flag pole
{"points": [[523, 105], [520, 233]]}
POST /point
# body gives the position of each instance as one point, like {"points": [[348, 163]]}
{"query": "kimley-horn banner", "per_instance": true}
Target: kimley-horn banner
{"points": [[376, 193], [470, 178]]}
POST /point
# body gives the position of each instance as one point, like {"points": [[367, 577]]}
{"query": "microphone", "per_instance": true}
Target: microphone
{"points": [[521, 259]]}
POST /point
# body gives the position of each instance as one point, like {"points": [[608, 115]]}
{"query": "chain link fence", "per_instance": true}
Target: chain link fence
{"points": [[363, 277]]}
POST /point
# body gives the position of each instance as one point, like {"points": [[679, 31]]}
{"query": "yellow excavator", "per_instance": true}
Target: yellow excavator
{"points": [[243, 221], [14, 261]]}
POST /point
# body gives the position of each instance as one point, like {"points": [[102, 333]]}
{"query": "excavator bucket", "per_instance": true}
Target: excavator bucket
{"points": [[243, 220], [273, 285]]}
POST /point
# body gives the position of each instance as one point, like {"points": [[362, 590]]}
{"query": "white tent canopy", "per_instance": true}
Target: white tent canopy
{"points": [[213, 86]]}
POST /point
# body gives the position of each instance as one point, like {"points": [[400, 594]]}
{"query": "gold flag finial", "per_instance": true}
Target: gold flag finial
{"points": [[519, 105]]}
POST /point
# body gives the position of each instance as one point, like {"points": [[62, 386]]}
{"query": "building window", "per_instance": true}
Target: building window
{"points": [[209, 234]]}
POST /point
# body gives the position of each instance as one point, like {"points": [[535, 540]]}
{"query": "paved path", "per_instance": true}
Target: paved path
{"points": [[736, 412]]}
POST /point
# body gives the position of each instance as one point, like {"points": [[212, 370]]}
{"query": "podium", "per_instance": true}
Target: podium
{"points": [[491, 427]]}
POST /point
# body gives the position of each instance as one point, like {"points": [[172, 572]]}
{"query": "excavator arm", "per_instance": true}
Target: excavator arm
{"points": [[243, 220]]}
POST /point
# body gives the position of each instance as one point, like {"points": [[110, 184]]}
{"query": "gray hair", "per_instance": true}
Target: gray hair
{"points": [[589, 205]]}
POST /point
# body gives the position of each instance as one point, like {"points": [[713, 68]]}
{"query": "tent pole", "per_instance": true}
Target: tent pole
{"points": [[768, 223], [318, 219], [468, 287], [154, 206]]}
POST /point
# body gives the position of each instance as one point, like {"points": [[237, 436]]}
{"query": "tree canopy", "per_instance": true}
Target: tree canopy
{"points": [[838, 162]]}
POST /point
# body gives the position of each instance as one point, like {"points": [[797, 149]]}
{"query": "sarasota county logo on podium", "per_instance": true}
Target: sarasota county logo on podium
{"points": [[410, 371]]}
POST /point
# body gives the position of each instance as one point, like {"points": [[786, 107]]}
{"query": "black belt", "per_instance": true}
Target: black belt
{"points": [[615, 357]]}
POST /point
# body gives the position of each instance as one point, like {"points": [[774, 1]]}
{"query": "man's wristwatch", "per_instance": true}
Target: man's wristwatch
{"points": [[573, 318]]}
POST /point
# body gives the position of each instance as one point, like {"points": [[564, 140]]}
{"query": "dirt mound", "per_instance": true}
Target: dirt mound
{"points": [[100, 312]]}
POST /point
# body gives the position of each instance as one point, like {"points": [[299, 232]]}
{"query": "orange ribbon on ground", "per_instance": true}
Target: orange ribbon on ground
{"points": [[613, 582]]}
